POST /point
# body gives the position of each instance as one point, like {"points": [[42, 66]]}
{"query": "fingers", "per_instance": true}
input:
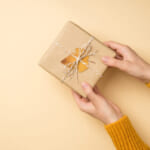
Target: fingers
{"points": [[92, 95], [114, 45], [112, 62], [119, 48], [89, 91], [83, 103], [96, 90], [94, 98], [114, 106], [78, 99]]}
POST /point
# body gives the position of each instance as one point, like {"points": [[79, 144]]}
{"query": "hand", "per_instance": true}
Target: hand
{"points": [[97, 106], [127, 60]]}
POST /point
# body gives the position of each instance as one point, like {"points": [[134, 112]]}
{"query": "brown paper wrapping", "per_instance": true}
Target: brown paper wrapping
{"points": [[71, 38]]}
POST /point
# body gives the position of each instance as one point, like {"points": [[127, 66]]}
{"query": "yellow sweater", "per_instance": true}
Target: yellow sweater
{"points": [[124, 136]]}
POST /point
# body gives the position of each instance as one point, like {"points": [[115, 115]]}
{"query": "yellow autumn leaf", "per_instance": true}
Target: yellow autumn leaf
{"points": [[70, 59]]}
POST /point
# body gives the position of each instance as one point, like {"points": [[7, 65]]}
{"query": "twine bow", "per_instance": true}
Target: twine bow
{"points": [[80, 57]]}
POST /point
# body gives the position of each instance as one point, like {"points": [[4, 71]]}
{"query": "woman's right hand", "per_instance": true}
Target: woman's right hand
{"points": [[127, 60]]}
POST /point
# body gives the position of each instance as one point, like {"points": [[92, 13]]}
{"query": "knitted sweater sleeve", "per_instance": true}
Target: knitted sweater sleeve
{"points": [[124, 136]]}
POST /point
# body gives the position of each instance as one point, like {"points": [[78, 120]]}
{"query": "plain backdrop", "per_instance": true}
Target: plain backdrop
{"points": [[37, 111]]}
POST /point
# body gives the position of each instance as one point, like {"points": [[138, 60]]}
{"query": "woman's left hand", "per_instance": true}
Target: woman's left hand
{"points": [[96, 105]]}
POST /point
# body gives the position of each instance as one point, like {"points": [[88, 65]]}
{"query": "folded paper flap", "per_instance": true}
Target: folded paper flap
{"points": [[76, 50]]}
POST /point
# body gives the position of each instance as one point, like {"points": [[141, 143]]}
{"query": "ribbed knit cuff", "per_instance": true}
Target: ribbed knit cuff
{"points": [[124, 136]]}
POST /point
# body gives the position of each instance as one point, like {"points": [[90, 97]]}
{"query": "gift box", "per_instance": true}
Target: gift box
{"points": [[75, 56]]}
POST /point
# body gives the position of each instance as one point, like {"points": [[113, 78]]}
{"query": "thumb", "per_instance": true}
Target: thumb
{"points": [[112, 62], [91, 95]]}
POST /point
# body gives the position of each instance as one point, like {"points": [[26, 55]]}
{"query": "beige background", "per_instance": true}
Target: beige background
{"points": [[37, 111]]}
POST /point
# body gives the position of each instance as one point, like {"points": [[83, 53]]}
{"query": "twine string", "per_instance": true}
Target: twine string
{"points": [[84, 51]]}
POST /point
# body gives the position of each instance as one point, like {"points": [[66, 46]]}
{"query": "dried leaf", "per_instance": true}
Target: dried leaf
{"points": [[69, 60]]}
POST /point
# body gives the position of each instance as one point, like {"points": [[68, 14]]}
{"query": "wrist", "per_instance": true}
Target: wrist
{"points": [[114, 118]]}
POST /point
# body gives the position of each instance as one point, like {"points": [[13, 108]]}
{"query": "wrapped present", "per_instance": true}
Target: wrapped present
{"points": [[75, 56]]}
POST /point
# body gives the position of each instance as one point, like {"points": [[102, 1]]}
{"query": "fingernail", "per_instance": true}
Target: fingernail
{"points": [[84, 85], [105, 59]]}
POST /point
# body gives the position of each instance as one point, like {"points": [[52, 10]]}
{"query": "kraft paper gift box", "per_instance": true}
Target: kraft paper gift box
{"points": [[75, 56]]}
